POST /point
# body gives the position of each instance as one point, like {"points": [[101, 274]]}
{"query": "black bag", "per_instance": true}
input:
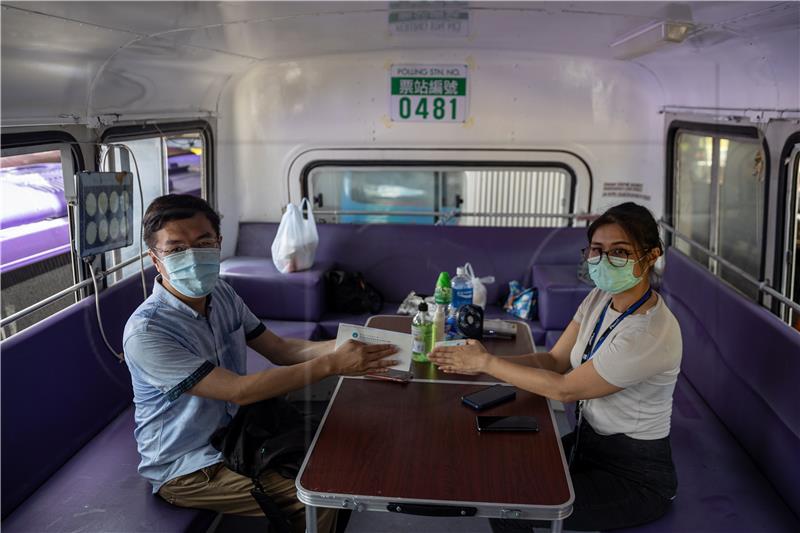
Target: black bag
{"points": [[267, 434], [349, 292]]}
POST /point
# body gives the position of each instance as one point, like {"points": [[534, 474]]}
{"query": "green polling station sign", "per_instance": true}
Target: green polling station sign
{"points": [[429, 93]]}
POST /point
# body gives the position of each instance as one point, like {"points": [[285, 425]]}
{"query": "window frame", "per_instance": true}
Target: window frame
{"points": [[581, 186], [17, 143], [785, 175], [123, 133], [676, 127], [120, 134]]}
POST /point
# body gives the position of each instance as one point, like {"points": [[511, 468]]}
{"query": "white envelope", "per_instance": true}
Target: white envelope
{"points": [[379, 336]]}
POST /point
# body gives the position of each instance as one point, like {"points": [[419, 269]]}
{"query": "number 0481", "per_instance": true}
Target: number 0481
{"points": [[437, 108]]}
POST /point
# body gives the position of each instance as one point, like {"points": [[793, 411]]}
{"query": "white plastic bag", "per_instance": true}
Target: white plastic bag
{"points": [[296, 242], [478, 288]]}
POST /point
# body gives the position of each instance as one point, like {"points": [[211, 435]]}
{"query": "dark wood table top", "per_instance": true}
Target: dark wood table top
{"points": [[417, 441], [387, 441], [520, 345]]}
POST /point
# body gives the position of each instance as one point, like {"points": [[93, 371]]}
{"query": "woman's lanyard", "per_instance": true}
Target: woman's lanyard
{"points": [[592, 347]]}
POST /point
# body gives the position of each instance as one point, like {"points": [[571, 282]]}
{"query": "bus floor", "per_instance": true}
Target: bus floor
{"points": [[399, 523]]}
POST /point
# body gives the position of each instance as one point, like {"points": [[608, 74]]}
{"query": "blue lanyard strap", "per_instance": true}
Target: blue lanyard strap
{"points": [[591, 347]]}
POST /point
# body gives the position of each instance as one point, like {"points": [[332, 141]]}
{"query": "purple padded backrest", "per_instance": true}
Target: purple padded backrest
{"points": [[60, 387], [745, 363], [397, 259]]}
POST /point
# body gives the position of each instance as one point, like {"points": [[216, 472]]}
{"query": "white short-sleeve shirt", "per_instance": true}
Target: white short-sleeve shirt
{"points": [[642, 356]]}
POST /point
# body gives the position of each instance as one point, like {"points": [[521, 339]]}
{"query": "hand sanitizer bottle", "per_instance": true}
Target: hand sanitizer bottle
{"points": [[422, 334]]}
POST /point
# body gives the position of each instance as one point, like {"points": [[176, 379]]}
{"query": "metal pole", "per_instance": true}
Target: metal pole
{"points": [[336, 212], [69, 290], [47, 301], [311, 519]]}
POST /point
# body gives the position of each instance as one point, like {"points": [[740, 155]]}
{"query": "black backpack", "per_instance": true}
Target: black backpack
{"points": [[349, 292], [273, 434]]}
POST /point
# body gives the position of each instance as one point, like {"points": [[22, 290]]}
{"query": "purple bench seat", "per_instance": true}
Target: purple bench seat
{"points": [[99, 489], [720, 488], [270, 294], [68, 451], [741, 464], [391, 258], [560, 294], [397, 259]]}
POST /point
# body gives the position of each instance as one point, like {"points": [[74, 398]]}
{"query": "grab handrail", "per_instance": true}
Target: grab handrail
{"points": [[69, 290], [761, 285]]}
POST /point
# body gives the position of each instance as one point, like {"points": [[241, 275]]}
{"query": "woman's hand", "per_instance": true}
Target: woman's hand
{"points": [[471, 358]]}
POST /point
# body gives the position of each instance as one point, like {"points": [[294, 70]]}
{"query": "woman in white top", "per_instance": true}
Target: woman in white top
{"points": [[619, 359]]}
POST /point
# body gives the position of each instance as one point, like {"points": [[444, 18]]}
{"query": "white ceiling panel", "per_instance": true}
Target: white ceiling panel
{"points": [[49, 64], [157, 76]]}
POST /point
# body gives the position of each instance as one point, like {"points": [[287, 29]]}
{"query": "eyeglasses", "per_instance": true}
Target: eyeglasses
{"points": [[617, 257], [205, 243]]}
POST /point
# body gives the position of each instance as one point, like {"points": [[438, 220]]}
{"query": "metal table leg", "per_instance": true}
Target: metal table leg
{"points": [[556, 526], [311, 519]]}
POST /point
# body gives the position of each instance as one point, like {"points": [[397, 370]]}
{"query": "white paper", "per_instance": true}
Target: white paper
{"points": [[379, 336]]}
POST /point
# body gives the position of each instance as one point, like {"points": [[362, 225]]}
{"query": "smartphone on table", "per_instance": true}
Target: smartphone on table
{"points": [[489, 397], [507, 423], [398, 376]]}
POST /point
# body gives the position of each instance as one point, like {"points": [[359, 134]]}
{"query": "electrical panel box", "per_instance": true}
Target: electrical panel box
{"points": [[105, 211]]}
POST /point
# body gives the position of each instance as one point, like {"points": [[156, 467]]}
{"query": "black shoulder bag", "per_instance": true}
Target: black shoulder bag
{"points": [[267, 434], [349, 292]]}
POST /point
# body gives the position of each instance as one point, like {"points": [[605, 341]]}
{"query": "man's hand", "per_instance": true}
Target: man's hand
{"points": [[355, 358], [471, 358]]}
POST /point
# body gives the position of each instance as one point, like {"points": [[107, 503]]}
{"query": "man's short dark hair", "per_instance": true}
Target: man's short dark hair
{"points": [[175, 207]]}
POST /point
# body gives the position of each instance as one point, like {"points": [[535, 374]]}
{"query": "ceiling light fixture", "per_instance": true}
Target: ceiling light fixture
{"points": [[650, 38]]}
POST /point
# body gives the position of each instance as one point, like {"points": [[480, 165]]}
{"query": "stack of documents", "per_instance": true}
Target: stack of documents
{"points": [[379, 336]]}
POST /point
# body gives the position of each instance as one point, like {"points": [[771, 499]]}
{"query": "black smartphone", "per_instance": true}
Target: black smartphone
{"points": [[489, 397], [507, 423], [398, 376]]}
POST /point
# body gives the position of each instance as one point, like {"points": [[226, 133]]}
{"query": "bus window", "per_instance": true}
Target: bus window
{"points": [[150, 158], [168, 164], [693, 192], [719, 203], [740, 215], [445, 195], [185, 164], [35, 258]]}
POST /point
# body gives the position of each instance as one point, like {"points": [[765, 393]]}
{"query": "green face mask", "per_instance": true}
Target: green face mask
{"points": [[614, 279]]}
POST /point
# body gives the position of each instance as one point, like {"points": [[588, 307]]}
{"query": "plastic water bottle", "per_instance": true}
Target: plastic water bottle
{"points": [[462, 289], [462, 292], [422, 335], [442, 295]]}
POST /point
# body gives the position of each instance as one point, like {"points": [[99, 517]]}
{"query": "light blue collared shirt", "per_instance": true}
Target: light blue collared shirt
{"points": [[169, 348]]}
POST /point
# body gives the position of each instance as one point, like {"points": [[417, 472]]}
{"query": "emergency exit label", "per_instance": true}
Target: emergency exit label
{"points": [[429, 93]]}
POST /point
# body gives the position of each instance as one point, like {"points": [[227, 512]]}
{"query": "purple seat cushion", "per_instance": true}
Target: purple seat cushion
{"points": [[308, 331], [560, 294], [270, 294], [99, 489], [719, 486], [744, 363]]}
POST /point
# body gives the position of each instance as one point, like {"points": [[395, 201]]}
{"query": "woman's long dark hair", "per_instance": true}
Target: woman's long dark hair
{"points": [[637, 222]]}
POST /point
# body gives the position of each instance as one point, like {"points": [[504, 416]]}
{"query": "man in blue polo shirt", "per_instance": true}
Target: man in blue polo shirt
{"points": [[185, 347]]}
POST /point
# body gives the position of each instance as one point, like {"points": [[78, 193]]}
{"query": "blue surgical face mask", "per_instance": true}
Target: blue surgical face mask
{"points": [[193, 272], [614, 279]]}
